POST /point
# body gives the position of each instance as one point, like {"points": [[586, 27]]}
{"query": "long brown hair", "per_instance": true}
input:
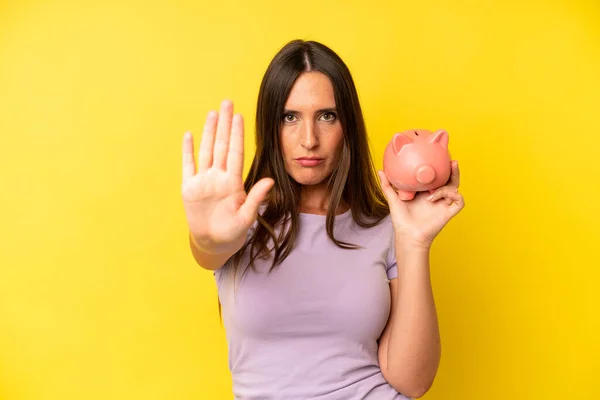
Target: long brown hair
{"points": [[354, 179]]}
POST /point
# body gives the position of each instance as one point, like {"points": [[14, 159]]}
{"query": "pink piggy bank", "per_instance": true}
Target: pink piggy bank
{"points": [[416, 161]]}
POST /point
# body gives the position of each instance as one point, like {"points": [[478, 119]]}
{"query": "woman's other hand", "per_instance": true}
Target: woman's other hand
{"points": [[218, 210]]}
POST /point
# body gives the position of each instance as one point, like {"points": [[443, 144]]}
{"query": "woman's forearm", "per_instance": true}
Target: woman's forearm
{"points": [[211, 259], [414, 347]]}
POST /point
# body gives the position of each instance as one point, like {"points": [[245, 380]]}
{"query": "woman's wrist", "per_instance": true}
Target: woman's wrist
{"points": [[407, 245], [412, 256], [215, 249]]}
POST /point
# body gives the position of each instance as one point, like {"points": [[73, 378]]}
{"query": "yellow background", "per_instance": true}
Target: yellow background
{"points": [[99, 295]]}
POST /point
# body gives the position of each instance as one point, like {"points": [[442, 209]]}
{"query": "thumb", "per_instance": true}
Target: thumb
{"points": [[388, 190], [255, 197]]}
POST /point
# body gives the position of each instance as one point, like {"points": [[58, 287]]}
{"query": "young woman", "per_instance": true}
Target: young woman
{"points": [[322, 272]]}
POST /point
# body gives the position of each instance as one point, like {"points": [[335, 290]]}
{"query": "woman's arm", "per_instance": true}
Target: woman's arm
{"points": [[207, 260], [409, 348], [217, 208]]}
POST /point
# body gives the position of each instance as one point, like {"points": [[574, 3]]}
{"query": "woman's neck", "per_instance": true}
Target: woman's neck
{"points": [[314, 200]]}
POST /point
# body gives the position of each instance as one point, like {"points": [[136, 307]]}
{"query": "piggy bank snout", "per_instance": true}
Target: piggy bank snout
{"points": [[425, 174]]}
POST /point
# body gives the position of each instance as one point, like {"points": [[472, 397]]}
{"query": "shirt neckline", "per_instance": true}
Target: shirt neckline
{"points": [[343, 215]]}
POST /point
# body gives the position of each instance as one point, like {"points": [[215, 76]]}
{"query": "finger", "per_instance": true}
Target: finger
{"points": [[223, 133], [205, 153], [255, 197], [435, 195], [450, 197], [235, 157], [441, 193], [457, 204], [388, 190], [455, 175], [189, 167]]}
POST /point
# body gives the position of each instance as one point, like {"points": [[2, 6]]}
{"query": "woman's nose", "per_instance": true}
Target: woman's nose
{"points": [[309, 138]]}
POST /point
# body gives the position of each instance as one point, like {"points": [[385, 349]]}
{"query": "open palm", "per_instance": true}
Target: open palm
{"points": [[218, 210]]}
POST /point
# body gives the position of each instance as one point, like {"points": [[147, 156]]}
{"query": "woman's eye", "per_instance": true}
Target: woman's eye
{"points": [[329, 117], [289, 118]]}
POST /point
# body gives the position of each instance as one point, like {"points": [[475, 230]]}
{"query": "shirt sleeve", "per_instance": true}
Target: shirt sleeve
{"points": [[218, 273], [391, 262]]}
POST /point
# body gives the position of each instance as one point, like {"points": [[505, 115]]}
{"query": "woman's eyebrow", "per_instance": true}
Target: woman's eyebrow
{"points": [[320, 111]]}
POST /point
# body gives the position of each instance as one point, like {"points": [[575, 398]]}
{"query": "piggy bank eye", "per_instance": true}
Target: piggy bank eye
{"points": [[416, 133]]}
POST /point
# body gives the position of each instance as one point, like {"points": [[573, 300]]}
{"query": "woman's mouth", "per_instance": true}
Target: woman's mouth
{"points": [[309, 161]]}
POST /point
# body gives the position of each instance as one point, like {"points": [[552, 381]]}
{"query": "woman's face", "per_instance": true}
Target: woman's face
{"points": [[311, 133]]}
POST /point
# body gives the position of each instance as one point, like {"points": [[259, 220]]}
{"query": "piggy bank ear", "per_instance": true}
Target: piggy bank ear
{"points": [[400, 140], [440, 137]]}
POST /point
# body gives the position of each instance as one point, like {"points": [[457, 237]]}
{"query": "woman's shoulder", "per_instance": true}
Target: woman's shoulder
{"points": [[381, 221]]}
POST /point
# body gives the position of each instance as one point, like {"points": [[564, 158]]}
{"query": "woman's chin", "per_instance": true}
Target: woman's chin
{"points": [[309, 179]]}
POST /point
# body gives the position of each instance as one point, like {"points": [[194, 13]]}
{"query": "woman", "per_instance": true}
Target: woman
{"points": [[322, 273]]}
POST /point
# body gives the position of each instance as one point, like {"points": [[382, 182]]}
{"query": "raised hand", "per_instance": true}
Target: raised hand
{"points": [[218, 210], [419, 221]]}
